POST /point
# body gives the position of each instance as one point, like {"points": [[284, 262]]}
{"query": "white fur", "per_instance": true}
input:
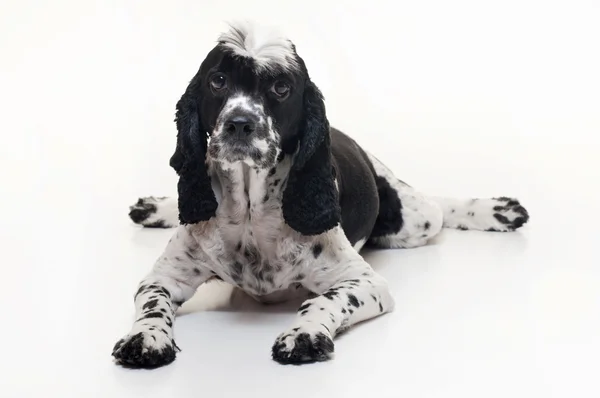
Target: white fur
{"points": [[266, 46]]}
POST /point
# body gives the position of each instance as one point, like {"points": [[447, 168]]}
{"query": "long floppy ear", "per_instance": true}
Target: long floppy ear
{"points": [[196, 198], [310, 200]]}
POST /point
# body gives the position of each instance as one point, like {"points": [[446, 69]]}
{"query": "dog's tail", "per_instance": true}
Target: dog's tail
{"points": [[152, 212], [496, 214]]}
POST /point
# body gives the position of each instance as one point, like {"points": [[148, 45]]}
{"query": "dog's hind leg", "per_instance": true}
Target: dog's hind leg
{"points": [[408, 218]]}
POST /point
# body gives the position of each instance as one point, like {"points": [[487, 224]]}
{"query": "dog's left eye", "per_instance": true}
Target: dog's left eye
{"points": [[280, 89]]}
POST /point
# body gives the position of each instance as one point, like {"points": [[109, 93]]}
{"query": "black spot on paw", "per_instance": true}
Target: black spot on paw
{"points": [[462, 228], [305, 350], [503, 219], [427, 225], [141, 211]]}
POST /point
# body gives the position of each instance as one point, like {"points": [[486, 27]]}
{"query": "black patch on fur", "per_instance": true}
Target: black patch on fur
{"points": [[501, 218], [353, 301], [317, 249], [239, 246], [389, 219], [197, 271], [154, 314], [164, 291], [304, 306], [330, 294], [141, 211], [303, 312], [427, 225], [150, 304], [462, 228], [472, 214], [380, 307], [178, 303], [139, 291], [374, 298]]}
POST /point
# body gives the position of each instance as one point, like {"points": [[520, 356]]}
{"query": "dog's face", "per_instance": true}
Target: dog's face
{"points": [[253, 97], [251, 106]]}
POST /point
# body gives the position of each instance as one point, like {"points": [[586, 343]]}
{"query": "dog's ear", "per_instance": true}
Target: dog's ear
{"points": [[310, 200], [197, 200]]}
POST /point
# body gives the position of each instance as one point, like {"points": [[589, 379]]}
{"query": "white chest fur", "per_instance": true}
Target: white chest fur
{"points": [[248, 243]]}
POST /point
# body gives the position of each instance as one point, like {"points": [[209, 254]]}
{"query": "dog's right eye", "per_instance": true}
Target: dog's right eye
{"points": [[218, 82]]}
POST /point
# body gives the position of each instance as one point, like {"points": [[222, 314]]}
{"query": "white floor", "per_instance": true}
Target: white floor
{"points": [[459, 98]]}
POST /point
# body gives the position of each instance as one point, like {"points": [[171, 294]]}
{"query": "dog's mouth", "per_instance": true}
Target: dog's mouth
{"points": [[233, 149]]}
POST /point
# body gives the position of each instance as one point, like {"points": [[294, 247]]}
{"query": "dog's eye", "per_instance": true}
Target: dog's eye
{"points": [[280, 88], [218, 82]]}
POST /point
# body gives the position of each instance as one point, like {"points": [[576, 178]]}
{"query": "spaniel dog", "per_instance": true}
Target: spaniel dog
{"points": [[274, 201]]}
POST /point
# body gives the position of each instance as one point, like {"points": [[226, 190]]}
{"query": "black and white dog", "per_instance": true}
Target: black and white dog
{"points": [[275, 202]]}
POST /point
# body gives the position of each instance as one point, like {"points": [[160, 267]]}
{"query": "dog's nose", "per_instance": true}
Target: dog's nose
{"points": [[240, 125]]}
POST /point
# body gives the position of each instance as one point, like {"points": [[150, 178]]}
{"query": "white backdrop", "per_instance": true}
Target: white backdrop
{"points": [[460, 98]]}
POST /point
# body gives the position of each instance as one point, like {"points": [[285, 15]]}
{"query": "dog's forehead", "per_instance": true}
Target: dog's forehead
{"points": [[267, 48]]}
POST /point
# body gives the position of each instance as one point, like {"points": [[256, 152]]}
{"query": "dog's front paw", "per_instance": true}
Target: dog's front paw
{"points": [[146, 349], [509, 214], [153, 212], [306, 343]]}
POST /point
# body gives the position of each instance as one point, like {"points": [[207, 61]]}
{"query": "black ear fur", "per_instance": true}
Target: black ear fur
{"points": [[310, 200], [197, 200]]}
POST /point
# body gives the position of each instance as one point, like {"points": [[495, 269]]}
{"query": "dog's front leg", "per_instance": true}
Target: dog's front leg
{"points": [[174, 279], [351, 292]]}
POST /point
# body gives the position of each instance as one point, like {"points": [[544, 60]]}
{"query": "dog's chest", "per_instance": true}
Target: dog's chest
{"points": [[255, 249]]}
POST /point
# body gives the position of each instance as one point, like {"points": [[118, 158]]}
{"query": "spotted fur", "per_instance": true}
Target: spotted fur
{"points": [[282, 211]]}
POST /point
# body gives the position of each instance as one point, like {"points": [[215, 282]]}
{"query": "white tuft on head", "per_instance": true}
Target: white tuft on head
{"points": [[267, 47]]}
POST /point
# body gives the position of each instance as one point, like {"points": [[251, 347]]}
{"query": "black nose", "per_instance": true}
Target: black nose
{"points": [[240, 125]]}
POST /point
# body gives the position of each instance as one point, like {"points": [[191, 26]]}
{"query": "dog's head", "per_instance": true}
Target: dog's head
{"points": [[253, 97]]}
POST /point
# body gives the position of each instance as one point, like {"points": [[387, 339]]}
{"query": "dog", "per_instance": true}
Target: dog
{"points": [[274, 201]]}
